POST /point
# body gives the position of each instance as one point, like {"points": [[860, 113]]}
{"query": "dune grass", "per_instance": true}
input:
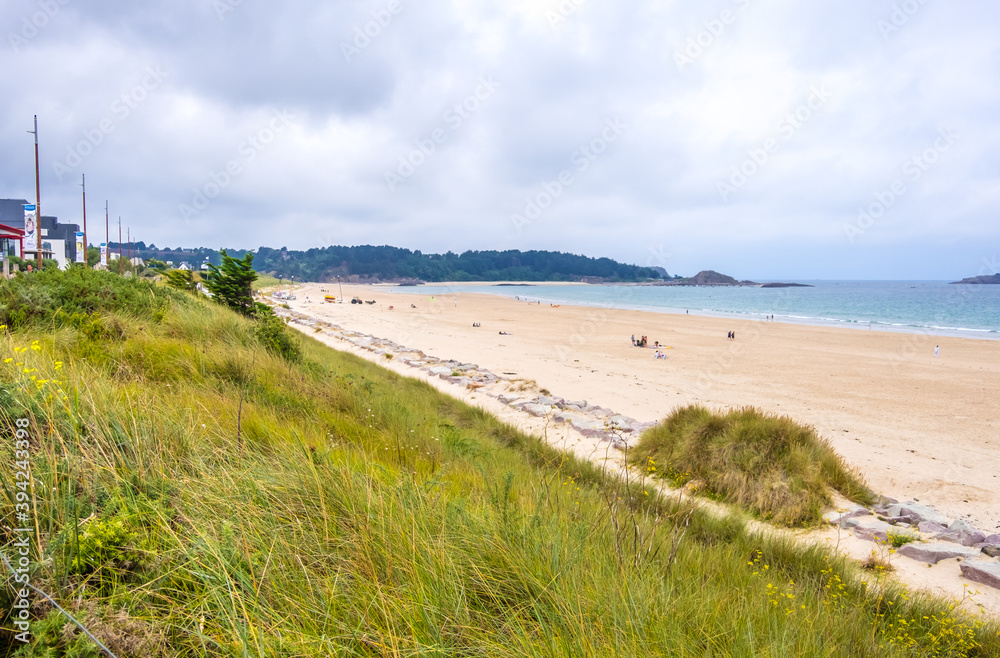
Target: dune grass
{"points": [[265, 281], [198, 495], [775, 467]]}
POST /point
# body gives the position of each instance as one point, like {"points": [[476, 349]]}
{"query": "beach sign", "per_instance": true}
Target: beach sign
{"points": [[30, 227], [81, 252], [104, 254]]}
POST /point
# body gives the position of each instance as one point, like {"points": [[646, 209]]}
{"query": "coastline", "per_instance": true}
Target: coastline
{"points": [[778, 302], [944, 579], [916, 426]]}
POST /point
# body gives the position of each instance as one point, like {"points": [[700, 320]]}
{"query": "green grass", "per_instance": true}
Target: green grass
{"points": [[771, 465], [197, 495], [265, 281]]}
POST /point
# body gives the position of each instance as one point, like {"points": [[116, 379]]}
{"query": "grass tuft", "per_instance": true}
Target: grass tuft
{"points": [[771, 465]]}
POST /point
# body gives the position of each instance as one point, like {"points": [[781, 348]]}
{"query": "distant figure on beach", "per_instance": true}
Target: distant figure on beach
{"points": [[937, 350], [504, 333], [633, 340], [729, 336]]}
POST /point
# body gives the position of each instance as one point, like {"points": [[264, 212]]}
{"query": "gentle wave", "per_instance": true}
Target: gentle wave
{"points": [[898, 306]]}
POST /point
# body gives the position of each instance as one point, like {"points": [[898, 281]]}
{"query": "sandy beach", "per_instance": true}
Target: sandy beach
{"points": [[918, 427]]}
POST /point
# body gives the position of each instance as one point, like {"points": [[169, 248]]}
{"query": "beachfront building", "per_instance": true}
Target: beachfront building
{"points": [[58, 240]]}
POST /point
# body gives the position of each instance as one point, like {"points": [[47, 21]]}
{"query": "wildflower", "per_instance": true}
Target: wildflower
{"points": [[59, 365], [7, 360]]}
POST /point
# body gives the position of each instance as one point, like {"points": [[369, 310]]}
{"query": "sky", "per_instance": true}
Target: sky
{"points": [[766, 139]]}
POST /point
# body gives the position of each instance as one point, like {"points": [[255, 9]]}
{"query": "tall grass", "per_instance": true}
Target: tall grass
{"points": [[198, 495], [779, 469]]}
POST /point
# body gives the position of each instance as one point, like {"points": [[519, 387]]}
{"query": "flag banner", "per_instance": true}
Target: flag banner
{"points": [[81, 251], [104, 254], [30, 228]]}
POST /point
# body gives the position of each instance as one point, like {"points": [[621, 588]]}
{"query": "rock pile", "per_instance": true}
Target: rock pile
{"points": [[932, 536], [589, 419]]}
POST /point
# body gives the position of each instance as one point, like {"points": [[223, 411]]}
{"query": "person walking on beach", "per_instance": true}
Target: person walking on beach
{"points": [[937, 350]]}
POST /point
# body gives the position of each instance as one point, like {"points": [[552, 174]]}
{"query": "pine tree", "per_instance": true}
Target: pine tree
{"points": [[231, 284]]}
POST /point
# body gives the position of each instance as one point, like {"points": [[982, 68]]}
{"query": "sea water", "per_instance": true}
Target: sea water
{"points": [[929, 307]]}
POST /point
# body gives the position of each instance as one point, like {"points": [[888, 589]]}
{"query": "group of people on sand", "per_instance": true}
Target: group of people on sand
{"points": [[643, 341], [659, 355]]}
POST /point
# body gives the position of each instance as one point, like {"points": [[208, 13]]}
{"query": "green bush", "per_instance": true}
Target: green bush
{"points": [[271, 332], [771, 465], [35, 299]]}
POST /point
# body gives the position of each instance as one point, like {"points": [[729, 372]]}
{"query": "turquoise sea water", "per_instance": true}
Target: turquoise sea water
{"points": [[932, 307]]}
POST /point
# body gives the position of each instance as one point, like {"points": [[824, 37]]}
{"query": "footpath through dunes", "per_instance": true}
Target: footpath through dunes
{"points": [[521, 402]]}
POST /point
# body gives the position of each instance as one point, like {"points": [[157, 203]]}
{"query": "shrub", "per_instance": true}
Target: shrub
{"points": [[772, 465], [271, 332], [36, 299]]}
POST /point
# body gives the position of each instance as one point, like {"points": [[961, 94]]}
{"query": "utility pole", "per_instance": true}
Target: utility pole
{"points": [[84, 186], [38, 199], [128, 249], [119, 244], [107, 238]]}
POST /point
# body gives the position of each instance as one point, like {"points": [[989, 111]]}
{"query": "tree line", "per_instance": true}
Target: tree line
{"points": [[386, 263]]}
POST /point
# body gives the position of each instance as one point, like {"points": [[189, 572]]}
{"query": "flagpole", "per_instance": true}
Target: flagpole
{"points": [[38, 200], [119, 245], [84, 185], [107, 238]]}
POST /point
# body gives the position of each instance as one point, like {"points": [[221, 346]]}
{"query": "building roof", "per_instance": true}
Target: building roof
{"points": [[10, 232]]}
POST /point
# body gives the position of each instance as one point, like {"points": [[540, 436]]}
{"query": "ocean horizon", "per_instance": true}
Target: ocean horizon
{"points": [[937, 308]]}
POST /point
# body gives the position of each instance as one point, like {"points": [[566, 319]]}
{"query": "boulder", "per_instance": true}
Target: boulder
{"points": [[569, 417], [931, 527], [873, 530], [837, 517], [992, 539], [917, 513], [590, 427], [548, 401], [934, 552], [576, 403], [991, 550], [509, 399], [982, 572], [538, 410], [963, 534], [853, 522], [440, 370]]}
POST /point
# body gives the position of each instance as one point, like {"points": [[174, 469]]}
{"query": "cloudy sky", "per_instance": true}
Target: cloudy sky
{"points": [[761, 138]]}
